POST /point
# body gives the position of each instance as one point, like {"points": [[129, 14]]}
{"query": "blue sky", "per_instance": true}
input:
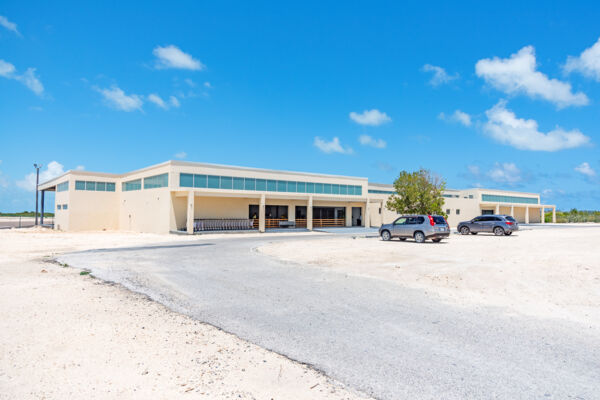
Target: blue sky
{"points": [[484, 96]]}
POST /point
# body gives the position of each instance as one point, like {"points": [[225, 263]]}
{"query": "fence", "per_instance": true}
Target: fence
{"points": [[23, 222], [222, 224]]}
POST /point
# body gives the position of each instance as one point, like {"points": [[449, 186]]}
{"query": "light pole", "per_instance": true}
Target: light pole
{"points": [[37, 182]]}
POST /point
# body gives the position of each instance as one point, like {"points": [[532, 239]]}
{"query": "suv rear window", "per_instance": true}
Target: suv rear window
{"points": [[439, 220], [509, 218]]}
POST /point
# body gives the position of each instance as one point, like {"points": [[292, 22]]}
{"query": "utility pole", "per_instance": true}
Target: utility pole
{"points": [[37, 182]]}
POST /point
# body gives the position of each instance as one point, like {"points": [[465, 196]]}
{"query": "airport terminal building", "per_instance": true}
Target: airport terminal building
{"points": [[181, 196]]}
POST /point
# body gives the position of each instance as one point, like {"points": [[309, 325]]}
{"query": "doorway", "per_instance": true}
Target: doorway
{"points": [[356, 216]]}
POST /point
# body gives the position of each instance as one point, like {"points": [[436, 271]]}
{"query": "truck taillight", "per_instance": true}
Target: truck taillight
{"points": [[431, 220]]}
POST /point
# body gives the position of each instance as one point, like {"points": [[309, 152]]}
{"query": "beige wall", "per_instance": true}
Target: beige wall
{"points": [[145, 210]]}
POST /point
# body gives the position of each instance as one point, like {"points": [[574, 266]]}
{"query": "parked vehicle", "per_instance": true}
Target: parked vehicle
{"points": [[419, 227], [499, 225]]}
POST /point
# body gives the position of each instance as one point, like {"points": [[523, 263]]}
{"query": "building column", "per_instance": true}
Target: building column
{"points": [[553, 213], [292, 213], [366, 218], [497, 208], [543, 215], [309, 214], [512, 211], [526, 214], [349, 215], [42, 216], [190, 213], [261, 213]]}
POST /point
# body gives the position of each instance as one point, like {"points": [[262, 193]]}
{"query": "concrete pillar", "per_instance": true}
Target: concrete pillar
{"points": [[367, 216], [42, 216], [292, 212], [190, 213], [526, 214], [261, 213], [497, 208], [512, 211], [348, 215], [309, 214], [553, 214], [543, 216]]}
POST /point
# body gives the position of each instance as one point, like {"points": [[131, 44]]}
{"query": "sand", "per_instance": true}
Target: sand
{"points": [[546, 273], [64, 335]]}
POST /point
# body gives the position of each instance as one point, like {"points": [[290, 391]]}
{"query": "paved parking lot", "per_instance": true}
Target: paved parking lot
{"points": [[379, 337]]}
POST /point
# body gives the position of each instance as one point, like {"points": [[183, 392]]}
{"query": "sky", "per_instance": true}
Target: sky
{"points": [[483, 95]]}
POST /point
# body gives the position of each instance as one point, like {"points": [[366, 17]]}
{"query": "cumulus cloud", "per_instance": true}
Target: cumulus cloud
{"points": [[370, 117], [440, 76], [585, 169], [156, 99], [181, 155], [11, 26], [53, 169], [457, 116], [367, 140], [333, 146], [116, 98], [172, 57], [523, 134], [505, 173], [28, 78], [587, 63], [518, 75]]}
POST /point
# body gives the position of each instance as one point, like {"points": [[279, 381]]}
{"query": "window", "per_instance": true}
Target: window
{"points": [[95, 186], [281, 186], [470, 196], [261, 184], [376, 191], [79, 185], [249, 184], [447, 211], [90, 185], [186, 180], [226, 182], [58, 206], [110, 186], [62, 187], [200, 181], [400, 221], [64, 207], [101, 186], [156, 181], [508, 199], [301, 187], [214, 182], [439, 220], [238, 183], [457, 211], [132, 185], [271, 186]]}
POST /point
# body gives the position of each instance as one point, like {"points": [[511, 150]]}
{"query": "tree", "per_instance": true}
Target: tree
{"points": [[418, 192]]}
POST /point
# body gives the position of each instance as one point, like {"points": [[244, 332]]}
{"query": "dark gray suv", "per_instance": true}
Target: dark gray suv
{"points": [[497, 224], [419, 227]]}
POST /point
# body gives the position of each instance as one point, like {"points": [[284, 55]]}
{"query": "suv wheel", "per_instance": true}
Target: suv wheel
{"points": [[464, 230], [419, 237], [508, 233], [385, 235], [436, 240], [498, 231]]}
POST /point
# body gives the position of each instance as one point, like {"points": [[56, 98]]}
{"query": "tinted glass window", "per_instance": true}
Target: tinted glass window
{"points": [[496, 219], [439, 220], [420, 220], [412, 221], [509, 218]]}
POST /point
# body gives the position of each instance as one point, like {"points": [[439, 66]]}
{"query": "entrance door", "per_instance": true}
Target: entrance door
{"points": [[356, 216]]}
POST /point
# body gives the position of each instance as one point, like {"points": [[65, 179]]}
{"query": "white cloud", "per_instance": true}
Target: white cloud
{"points": [[523, 134], [79, 168], [6, 69], [28, 78], [172, 57], [174, 101], [53, 169], [190, 82], [116, 98], [585, 169], [587, 63], [367, 140], [440, 76], [31, 81], [334, 146], [11, 26], [474, 170], [457, 116], [505, 173], [518, 75], [156, 99], [207, 85], [370, 117], [181, 155]]}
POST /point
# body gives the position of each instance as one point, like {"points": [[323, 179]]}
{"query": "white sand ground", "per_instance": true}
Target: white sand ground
{"points": [[548, 273], [66, 336]]}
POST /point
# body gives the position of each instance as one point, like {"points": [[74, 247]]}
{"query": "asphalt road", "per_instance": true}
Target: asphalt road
{"points": [[380, 338]]}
